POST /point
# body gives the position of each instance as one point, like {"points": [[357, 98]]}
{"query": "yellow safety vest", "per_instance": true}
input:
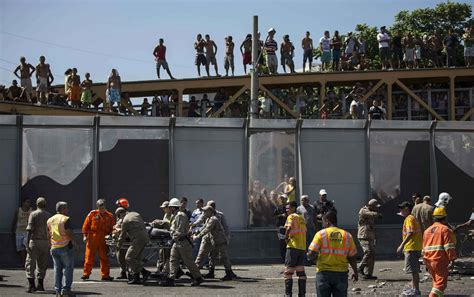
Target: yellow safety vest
{"points": [[59, 238]]}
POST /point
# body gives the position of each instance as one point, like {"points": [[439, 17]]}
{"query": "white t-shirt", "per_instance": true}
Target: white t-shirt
{"points": [[266, 104], [326, 42], [383, 40]]}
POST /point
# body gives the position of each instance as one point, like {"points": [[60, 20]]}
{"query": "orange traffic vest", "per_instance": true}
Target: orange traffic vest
{"points": [[438, 243], [59, 238]]}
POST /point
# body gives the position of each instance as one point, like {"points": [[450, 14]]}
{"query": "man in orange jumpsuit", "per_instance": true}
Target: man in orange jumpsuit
{"points": [[97, 225], [439, 251]]}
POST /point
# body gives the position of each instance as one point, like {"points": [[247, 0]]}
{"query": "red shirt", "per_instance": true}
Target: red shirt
{"points": [[160, 52]]}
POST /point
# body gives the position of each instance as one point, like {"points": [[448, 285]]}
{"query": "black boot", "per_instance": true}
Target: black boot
{"points": [[168, 282], [135, 280], [145, 275], [229, 275], [288, 287], [40, 286], [123, 275], [197, 281], [180, 273], [31, 285], [210, 274], [301, 288]]}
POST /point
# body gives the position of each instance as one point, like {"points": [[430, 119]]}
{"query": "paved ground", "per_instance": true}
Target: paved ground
{"points": [[256, 280]]}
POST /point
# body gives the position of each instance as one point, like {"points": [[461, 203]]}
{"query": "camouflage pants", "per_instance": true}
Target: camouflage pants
{"points": [[368, 261]]}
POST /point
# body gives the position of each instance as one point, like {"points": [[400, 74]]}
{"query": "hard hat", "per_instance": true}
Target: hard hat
{"points": [[174, 203], [323, 192], [122, 202], [374, 202], [443, 199], [439, 212], [165, 204]]}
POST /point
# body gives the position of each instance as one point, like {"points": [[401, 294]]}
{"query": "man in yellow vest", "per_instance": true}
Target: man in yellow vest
{"points": [[334, 249], [295, 250], [411, 247], [439, 251], [62, 248]]}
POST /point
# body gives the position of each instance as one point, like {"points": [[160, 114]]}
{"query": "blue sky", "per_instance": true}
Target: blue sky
{"points": [[95, 36]]}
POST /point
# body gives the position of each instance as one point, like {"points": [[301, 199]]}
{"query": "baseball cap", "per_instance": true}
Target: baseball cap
{"points": [[304, 197], [210, 202], [284, 196], [165, 204], [404, 204], [374, 202], [271, 30], [208, 207], [323, 192]]}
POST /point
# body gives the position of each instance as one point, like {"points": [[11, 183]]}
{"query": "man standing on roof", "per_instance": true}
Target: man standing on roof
{"points": [[271, 47], [160, 57], [439, 251]]}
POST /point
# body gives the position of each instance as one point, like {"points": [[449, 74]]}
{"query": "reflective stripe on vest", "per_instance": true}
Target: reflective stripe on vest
{"points": [[327, 249], [437, 292], [58, 233]]}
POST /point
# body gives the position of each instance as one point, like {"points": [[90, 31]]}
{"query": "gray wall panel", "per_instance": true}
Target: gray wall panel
{"points": [[8, 175], [229, 199], [336, 161], [209, 164]]}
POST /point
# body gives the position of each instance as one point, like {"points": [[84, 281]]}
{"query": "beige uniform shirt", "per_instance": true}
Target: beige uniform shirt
{"points": [[365, 228], [214, 227], [423, 212], [133, 227], [37, 224]]}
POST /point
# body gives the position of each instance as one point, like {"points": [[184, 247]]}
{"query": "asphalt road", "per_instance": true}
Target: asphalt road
{"points": [[255, 280]]}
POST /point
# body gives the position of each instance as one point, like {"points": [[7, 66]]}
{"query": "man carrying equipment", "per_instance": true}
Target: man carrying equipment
{"points": [[182, 246], [133, 227]]}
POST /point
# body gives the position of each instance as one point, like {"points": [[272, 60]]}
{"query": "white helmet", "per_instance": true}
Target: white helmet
{"points": [[174, 203], [443, 199]]}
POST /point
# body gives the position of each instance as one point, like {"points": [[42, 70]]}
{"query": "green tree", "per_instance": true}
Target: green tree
{"points": [[369, 35]]}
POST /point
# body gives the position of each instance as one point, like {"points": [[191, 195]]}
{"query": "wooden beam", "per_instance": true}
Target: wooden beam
{"points": [[468, 114], [389, 101], [279, 102], [422, 103], [367, 95], [322, 94], [452, 99], [230, 101]]}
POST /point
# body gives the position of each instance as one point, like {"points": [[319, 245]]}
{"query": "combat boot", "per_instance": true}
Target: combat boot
{"points": [[168, 282], [135, 280], [210, 274], [40, 286], [229, 275], [123, 275], [31, 285], [288, 287], [197, 281], [301, 288], [145, 275]]}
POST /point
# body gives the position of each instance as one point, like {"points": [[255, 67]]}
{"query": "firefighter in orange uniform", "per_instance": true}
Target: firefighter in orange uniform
{"points": [[97, 225], [439, 251]]}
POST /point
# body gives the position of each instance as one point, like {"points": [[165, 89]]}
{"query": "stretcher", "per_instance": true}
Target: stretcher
{"points": [[159, 239]]}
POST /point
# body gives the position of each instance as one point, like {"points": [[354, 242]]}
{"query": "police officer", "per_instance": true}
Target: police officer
{"points": [[121, 203], [133, 227], [37, 246], [214, 229], [322, 207], [366, 236], [182, 246]]}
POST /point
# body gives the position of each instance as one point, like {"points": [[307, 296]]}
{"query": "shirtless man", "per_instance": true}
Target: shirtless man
{"points": [[211, 52], [229, 55], [15, 91], [200, 58], [287, 51], [74, 83], [160, 58], [409, 45], [25, 76], [86, 85], [307, 45], [114, 86], [246, 51], [43, 76]]}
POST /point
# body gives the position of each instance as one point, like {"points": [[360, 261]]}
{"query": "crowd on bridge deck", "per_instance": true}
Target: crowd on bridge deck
{"points": [[336, 52]]}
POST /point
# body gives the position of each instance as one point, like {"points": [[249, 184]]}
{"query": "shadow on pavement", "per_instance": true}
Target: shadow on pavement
{"points": [[10, 286]]}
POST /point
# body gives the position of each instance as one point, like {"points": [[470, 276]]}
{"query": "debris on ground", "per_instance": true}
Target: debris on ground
{"points": [[385, 269], [356, 289], [424, 279]]}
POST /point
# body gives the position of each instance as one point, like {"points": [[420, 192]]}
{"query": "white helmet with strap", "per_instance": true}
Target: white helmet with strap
{"points": [[174, 202]]}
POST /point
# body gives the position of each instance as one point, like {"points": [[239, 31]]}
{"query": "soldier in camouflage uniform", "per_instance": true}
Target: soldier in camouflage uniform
{"points": [[366, 236], [219, 240]]}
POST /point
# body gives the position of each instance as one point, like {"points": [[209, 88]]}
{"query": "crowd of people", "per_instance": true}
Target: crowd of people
{"points": [[308, 234], [397, 50]]}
